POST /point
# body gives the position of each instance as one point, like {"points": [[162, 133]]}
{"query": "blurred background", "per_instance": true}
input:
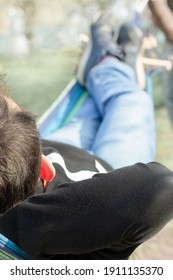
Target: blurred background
{"points": [[41, 43]]}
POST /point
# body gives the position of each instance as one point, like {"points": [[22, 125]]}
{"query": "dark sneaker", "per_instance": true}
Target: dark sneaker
{"points": [[100, 45], [130, 40]]}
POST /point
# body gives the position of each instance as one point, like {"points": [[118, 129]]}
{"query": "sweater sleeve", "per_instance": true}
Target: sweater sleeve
{"points": [[88, 215]]}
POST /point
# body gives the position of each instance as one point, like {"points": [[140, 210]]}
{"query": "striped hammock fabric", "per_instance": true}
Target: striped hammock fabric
{"points": [[10, 251], [63, 109]]}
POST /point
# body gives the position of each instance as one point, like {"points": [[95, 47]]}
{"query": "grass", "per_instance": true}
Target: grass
{"points": [[35, 81]]}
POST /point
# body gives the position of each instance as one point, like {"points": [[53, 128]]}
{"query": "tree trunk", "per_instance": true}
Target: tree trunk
{"points": [[163, 16]]}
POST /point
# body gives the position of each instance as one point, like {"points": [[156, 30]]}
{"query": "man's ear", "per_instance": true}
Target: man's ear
{"points": [[47, 170]]}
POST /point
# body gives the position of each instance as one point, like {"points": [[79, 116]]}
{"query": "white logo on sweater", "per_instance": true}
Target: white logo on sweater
{"points": [[79, 175]]}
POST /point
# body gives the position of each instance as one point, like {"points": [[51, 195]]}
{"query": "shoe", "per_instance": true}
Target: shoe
{"points": [[100, 45], [130, 40]]}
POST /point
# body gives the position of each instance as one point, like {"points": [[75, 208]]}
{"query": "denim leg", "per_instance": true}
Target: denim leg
{"points": [[127, 132], [81, 130]]}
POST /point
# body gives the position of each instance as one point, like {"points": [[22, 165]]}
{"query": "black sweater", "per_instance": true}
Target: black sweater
{"points": [[84, 214]]}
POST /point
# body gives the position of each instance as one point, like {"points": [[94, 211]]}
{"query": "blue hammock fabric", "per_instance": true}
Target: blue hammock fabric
{"points": [[10, 251], [68, 103]]}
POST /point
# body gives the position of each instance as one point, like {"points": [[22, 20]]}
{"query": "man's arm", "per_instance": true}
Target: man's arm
{"points": [[93, 214]]}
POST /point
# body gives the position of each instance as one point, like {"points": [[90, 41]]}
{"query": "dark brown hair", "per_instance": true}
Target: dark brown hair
{"points": [[20, 154]]}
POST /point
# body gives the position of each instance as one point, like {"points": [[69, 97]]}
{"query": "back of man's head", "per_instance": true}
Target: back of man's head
{"points": [[20, 154]]}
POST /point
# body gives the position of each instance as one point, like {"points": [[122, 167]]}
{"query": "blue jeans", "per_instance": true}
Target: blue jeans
{"points": [[117, 122]]}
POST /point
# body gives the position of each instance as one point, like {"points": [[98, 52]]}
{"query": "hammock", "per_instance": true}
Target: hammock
{"points": [[63, 108], [10, 251]]}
